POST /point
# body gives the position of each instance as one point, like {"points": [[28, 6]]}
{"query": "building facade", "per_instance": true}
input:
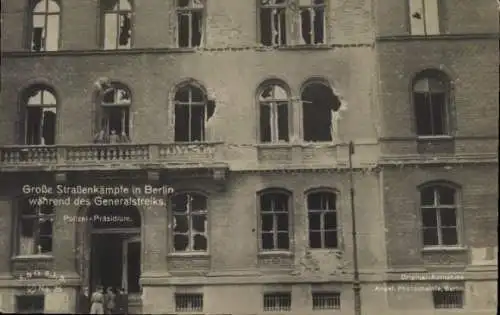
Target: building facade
{"points": [[196, 154]]}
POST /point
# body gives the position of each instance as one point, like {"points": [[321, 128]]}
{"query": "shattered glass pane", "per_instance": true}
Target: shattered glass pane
{"points": [[181, 224], [181, 242], [35, 98], [125, 31], [198, 202], [179, 203], [200, 242]]}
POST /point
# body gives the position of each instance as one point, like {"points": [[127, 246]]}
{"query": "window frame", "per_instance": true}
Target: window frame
{"points": [[274, 112], [117, 12], [37, 216], [312, 6], [25, 96], [102, 117], [448, 104], [275, 231], [286, 8], [46, 13], [426, 30], [189, 215], [189, 10], [434, 185], [322, 213], [190, 85], [277, 295]]}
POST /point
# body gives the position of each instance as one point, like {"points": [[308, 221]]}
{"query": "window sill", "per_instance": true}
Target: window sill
{"points": [[444, 249], [188, 254], [275, 254], [32, 257], [437, 138], [272, 145], [305, 47]]}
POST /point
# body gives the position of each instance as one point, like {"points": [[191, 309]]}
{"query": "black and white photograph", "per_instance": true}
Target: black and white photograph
{"points": [[249, 157]]}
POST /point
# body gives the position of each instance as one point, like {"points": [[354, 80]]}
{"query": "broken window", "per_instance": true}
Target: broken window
{"points": [[45, 26], [275, 225], [35, 226], [40, 116], [322, 214], [430, 97], [424, 17], [439, 216], [191, 113], [189, 23], [117, 16], [114, 116], [274, 117], [319, 105], [273, 22], [189, 222], [312, 21]]}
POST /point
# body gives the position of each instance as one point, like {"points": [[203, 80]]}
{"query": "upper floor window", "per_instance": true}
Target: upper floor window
{"points": [[279, 18], [431, 99], [191, 113], [322, 214], [424, 17], [319, 107], [438, 204], [45, 25], [312, 21], [113, 115], [35, 222], [275, 221], [117, 24], [189, 217], [274, 101], [190, 22], [40, 106]]}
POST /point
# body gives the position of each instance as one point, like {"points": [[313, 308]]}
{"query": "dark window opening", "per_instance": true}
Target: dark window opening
{"points": [[448, 299], [190, 114], [189, 216], [312, 23], [430, 97], [273, 22], [439, 216], [30, 304], [38, 39], [190, 23], [189, 302], [125, 30], [40, 117], [274, 115], [117, 24], [45, 25], [36, 226], [277, 302], [318, 103], [114, 124], [322, 214], [274, 215]]}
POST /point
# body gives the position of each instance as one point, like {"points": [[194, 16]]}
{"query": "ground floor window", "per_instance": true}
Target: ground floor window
{"points": [[30, 304]]}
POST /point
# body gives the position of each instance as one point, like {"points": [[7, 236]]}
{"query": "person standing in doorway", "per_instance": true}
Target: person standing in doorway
{"points": [[110, 301], [84, 301], [97, 300]]}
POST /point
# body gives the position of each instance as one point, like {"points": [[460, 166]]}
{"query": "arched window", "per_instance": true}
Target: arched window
{"points": [[274, 220], [117, 24], [274, 101], [189, 222], [190, 103], [35, 223], [189, 22], [438, 204], [319, 107], [322, 215], [114, 115], [40, 107], [431, 97], [45, 25]]}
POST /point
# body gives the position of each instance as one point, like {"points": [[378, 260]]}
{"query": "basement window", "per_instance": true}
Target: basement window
{"points": [[189, 23], [448, 299], [277, 302], [117, 17], [30, 304], [114, 116], [35, 227], [273, 22], [326, 300], [40, 116], [275, 224], [274, 116], [312, 21], [189, 216], [191, 113], [46, 16], [430, 98], [319, 106], [189, 302]]}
